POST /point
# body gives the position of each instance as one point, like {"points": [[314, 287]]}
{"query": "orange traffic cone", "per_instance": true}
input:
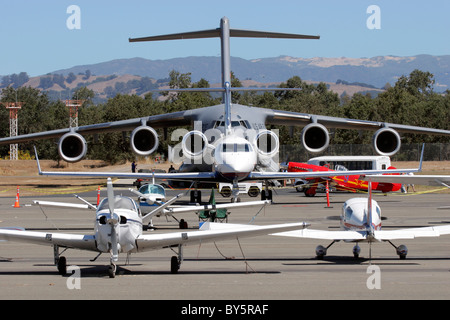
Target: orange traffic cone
{"points": [[16, 204]]}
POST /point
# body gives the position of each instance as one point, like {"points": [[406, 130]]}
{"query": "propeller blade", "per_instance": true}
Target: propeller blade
{"points": [[114, 244], [110, 194]]}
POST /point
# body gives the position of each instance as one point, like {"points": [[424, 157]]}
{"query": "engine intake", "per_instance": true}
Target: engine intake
{"points": [[267, 144], [72, 147], [315, 137], [386, 142], [194, 144], [144, 140]]}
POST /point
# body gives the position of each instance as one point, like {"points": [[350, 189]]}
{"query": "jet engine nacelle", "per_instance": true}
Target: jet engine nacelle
{"points": [[144, 140], [72, 147], [315, 137], [267, 144], [194, 144], [386, 141]]}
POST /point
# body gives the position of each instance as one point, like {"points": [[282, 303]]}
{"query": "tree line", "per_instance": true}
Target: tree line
{"points": [[410, 101]]}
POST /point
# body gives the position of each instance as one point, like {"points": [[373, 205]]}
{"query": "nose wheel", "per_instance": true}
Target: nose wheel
{"points": [[112, 270]]}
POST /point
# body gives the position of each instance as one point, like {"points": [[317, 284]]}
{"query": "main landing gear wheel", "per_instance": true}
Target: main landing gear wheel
{"points": [[62, 265], [112, 270], [174, 265]]}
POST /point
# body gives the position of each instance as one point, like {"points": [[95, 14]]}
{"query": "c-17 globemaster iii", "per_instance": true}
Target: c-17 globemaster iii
{"points": [[229, 142]]}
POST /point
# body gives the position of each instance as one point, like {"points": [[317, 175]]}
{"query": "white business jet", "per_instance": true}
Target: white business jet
{"points": [[360, 221], [118, 229]]}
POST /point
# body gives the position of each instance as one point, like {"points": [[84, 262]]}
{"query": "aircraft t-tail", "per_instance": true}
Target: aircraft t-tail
{"points": [[118, 229], [229, 142]]}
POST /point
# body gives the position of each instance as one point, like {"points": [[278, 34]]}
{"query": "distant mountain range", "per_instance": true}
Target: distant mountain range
{"points": [[376, 71], [139, 75]]}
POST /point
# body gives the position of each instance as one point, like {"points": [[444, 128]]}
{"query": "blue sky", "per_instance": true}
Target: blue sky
{"points": [[35, 37]]}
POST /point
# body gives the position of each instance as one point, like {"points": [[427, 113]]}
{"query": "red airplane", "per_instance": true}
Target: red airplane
{"points": [[340, 182]]}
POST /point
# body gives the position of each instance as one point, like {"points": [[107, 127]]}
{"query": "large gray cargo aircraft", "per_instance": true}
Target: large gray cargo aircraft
{"points": [[229, 142]]}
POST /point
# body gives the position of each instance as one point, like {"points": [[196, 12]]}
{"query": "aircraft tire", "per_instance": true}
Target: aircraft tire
{"points": [[112, 271], [174, 265], [62, 265]]}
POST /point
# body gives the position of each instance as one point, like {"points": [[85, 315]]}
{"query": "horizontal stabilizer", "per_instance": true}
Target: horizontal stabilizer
{"points": [[215, 33]]}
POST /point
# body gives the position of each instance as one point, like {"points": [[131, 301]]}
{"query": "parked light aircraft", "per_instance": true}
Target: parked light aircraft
{"points": [[118, 229], [152, 202], [344, 182], [230, 142], [360, 221]]}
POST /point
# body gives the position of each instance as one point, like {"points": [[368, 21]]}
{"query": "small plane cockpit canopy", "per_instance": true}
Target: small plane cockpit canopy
{"points": [[152, 188], [120, 202]]}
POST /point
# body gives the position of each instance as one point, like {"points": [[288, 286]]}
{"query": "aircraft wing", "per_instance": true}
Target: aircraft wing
{"points": [[324, 174], [324, 234], [430, 180], [412, 233], [67, 240], [61, 204], [210, 232], [382, 235], [281, 117], [179, 118], [195, 208]]}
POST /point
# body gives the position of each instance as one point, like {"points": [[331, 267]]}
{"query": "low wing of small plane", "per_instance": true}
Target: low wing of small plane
{"points": [[381, 235]]}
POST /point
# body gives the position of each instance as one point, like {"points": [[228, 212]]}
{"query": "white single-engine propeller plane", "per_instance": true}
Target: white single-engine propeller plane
{"points": [[360, 221], [118, 229]]}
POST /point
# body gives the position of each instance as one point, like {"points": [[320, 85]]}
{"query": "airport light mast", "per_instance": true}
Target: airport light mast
{"points": [[13, 108], [73, 106]]}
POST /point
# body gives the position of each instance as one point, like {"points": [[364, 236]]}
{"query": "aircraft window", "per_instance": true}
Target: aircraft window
{"points": [[228, 147], [243, 147], [119, 203], [152, 188], [348, 212], [340, 168], [233, 124]]}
